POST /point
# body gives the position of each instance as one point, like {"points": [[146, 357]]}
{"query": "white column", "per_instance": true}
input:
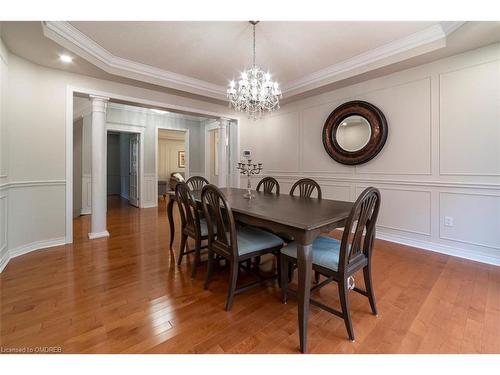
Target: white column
{"points": [[98, 216], [222, 152]]}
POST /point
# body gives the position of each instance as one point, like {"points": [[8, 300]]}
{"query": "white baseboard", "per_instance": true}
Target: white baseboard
{"points": [[436, 247], [439, 248], [85, 211], [4, 258], [149, 205], [37, 245], [93, 236]]}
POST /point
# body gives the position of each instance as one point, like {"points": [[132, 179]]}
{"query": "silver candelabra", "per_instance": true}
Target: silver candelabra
{"points": [[248, 169]]}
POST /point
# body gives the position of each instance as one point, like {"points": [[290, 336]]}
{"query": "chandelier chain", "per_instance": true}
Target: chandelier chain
{"points": [[253, 45]]}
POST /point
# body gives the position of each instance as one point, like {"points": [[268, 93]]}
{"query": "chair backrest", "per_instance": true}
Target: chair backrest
{"points": [[268, 184], [190, 216], [197, 182], [220, 221], [306, 188], [357, 245]]}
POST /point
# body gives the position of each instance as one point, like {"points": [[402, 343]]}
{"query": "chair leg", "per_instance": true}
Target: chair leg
{"points": [[210, 268], [183, 245], [278, 267], [344, 302], [316, 276], [284, 265], [369, 288], [197, 257], [290, 271], [233, 277]]}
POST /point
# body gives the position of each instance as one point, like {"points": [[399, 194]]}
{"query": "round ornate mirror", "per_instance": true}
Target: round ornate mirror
{"points": [[355, 132]]}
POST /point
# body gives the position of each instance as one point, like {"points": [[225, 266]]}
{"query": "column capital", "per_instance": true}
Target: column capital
{"points": [[98, 103], [98, 97], [223, 121]]}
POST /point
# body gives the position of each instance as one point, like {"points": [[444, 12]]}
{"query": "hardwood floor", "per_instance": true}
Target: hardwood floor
{"points": [[126, 294]]}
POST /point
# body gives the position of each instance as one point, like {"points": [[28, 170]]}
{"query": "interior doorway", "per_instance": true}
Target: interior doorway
{"points": [[172, 155], [122, 167]]}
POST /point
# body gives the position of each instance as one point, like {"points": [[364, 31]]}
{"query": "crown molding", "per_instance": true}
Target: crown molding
{"points": [[150, 112], [424, 41], [74, 40]]}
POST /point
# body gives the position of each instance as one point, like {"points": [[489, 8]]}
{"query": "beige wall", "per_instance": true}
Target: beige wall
{"points": [[442, 156]]}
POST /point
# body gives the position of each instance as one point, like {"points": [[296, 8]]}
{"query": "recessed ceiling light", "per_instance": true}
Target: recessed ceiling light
{"points": [[65, 58]]}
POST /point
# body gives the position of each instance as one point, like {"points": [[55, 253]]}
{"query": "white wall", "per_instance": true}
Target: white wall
{"points": [[441, 158], [4, 153], [35, 122]]}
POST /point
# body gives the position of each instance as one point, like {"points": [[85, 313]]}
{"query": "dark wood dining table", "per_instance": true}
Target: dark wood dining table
{"points": [[302, 218]]}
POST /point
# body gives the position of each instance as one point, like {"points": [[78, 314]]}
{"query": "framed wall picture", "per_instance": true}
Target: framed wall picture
{"points": [[181, 159]]}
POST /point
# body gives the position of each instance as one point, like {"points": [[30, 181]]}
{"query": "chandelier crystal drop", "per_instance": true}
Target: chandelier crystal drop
{"points": [[255, 92]]}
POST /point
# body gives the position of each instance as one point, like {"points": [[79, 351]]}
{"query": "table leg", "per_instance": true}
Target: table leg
{"points": [[170, 215], [304, 262]]}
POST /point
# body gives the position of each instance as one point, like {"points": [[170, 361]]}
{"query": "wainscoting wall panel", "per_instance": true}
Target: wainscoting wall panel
{"points": [[46, 229], [86, 194], [313, 158], [475, 216], [336, 191], [441, 159], [408, 109], [149, 188], [48, 224], [469, 120], [404, 209]]}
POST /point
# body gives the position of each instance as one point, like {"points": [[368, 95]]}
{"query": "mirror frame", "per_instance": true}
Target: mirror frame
{"points": [[379, 132]]}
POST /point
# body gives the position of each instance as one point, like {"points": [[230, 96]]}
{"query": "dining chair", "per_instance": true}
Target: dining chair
{"points": [[269, 184], [235, 244], [339, 260], [192, 224], [197, 182], [306, 187]]}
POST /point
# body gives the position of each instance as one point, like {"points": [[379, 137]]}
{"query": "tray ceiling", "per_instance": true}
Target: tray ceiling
{"points": [[200, 57]]}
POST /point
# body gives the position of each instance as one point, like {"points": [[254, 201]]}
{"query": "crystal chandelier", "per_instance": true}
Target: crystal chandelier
{"points": [[254, 93]]}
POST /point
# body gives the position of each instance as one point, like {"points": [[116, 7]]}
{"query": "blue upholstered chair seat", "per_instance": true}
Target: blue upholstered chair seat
{"points": [[252, 239], [325, 252]]}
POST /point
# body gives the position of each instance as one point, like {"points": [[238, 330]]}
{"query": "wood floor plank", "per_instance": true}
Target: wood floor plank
{"points": [[126, 294]]}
